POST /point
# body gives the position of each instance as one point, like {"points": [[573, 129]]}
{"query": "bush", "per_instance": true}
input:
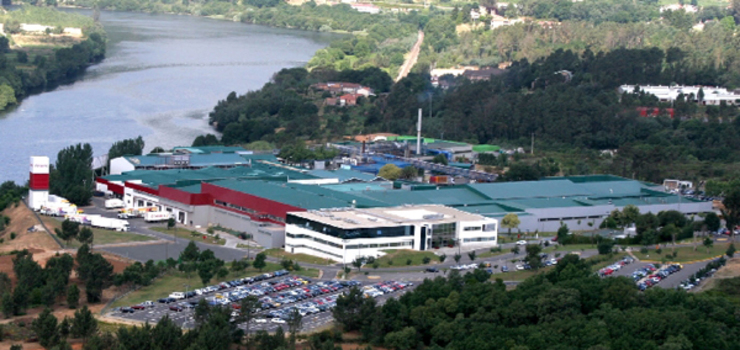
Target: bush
{"points": [[659, 251], [12, 235], [643, 250], [408, 262], [426, 260], [210, 230]]}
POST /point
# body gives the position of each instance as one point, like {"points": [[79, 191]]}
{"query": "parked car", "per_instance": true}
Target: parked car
{"points": [[504, 268], [278, 320], [177, 308], [522, 242], [177, 295], [127, 310], [166, 300]]}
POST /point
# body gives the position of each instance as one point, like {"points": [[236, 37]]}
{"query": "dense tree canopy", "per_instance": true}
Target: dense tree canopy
{"points": [[72, 177], [569, 307]]}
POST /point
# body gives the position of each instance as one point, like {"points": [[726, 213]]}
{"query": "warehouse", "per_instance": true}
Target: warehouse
{"points": [[256, 197], [345, 234]]}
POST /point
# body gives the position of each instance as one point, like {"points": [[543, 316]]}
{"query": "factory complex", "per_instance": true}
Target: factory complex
{"points": [[345, 213]]}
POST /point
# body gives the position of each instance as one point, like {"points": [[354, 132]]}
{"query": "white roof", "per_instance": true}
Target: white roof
{"points": [[349, 218]]}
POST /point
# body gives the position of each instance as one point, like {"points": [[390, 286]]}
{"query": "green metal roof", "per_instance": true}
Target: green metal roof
{"points": [[302, 196], [211, 149], [486, 148], [154, 178], [343, 175]]}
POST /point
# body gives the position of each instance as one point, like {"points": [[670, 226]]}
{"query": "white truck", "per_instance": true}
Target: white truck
{"points": [[109, 223], [155, 216], [113, 203], [58, 209]]}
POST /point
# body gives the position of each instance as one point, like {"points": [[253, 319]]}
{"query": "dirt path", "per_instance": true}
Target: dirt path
{"points": [[413, 55]]}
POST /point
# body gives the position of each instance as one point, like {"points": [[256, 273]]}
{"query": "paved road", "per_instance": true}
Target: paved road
{"points": [[169, 247], [411, 59]]}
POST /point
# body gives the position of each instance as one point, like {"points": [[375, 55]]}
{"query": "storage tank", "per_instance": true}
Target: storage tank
{"points": [[38, 185]]}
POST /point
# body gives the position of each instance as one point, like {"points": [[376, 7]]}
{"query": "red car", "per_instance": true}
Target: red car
{"points": [[138, 307], [177, 308]]}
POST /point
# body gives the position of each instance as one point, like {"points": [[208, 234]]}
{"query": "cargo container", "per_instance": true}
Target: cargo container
{"points": [[113, 203], [155, 216], [109, 223]]}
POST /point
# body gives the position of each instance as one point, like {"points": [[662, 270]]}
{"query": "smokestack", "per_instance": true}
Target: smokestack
{"points": [[418, 135]]}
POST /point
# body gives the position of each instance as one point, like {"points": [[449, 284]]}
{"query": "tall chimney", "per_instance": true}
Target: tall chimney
{"points": [[418, 135]]}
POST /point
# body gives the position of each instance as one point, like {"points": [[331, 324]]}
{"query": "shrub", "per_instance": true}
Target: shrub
{"points": [[390, 262], [426, 260], [210, 230], [12, 235], [408, 261], [659, 251], [643, 250]]}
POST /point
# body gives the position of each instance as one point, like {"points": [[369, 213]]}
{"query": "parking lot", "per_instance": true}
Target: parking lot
{"points": [[278, 296]]}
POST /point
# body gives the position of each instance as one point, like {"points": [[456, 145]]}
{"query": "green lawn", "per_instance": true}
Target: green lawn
{"points": [[400, 257], [490, 254], [190, 235], [684, 253], [100, 236], [162, 287], [301, 258]]}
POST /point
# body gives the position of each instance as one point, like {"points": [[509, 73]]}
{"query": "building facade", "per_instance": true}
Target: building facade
{"points": [[346, 234]]}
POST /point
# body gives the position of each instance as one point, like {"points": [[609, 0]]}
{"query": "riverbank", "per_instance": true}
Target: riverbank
{"points": [[43, 48], [374, 41]]}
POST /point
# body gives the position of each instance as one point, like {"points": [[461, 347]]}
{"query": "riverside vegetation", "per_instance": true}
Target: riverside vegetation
{"points": [[31, 62]]}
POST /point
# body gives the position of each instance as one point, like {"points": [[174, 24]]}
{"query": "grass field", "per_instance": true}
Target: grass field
{"points": [[490, 254], [400, 257], [189, 235], [100, 236], [301, 258], [684, 253], [178, 281]]}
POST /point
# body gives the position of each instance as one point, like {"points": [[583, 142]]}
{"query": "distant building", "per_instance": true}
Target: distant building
{"points": [[366, 8], [482, 74], [655, 111], [337, 88], [501, 21], [713, 96], [679, 7]]}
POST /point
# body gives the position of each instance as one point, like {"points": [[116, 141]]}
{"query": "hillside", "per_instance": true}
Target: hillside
{"points": [[43, 47]]}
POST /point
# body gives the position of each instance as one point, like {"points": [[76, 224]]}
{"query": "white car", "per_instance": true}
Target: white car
{"points": [[260, 320], [177, 295], [278, 320], [522, 242], [519, 267]]}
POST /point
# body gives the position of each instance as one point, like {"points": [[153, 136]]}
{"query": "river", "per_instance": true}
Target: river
{"points": [[161, 76]]}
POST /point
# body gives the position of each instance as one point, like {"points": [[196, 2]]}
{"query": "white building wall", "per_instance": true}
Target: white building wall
{"points": [[336, 248], [120, 165], [484, 232]]}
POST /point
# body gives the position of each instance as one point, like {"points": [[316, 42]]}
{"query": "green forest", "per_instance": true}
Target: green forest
{"points": [[27, 70], [567, 307], [580, 114]]}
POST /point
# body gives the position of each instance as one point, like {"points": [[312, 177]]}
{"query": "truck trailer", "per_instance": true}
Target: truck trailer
{"points": [[113, 203], [156, 216], [109, 223]]}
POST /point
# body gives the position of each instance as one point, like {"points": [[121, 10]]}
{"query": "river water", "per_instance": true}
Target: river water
{"points": [[161, 76]]}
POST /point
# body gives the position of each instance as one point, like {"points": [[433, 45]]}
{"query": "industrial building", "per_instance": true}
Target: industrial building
{"points": [[345, 234], [256, 193], [712, 95]]}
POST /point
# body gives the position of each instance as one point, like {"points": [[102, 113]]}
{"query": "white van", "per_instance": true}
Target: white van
{"points": [[177, 295]]}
